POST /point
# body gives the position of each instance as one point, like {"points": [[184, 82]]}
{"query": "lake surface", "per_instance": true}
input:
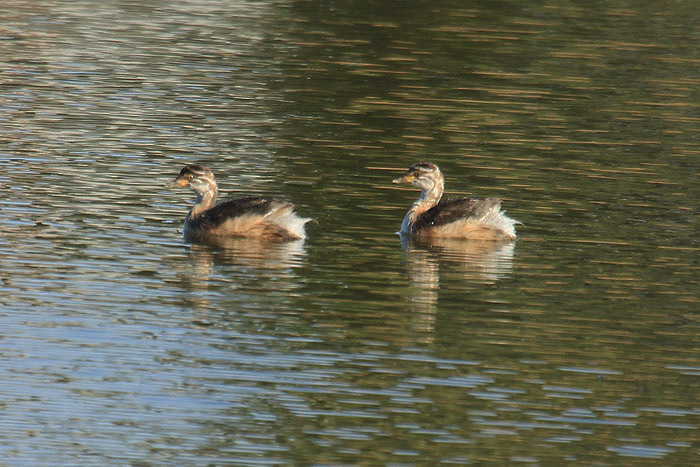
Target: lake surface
{"points": [[577, 344]]}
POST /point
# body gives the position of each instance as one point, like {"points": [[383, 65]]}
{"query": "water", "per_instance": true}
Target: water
{"points": [[123, 345]]}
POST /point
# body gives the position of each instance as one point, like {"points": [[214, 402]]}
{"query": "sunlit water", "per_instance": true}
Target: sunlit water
{"points": [[576, 344]]}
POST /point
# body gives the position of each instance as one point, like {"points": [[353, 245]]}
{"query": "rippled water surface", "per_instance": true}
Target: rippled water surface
{"points": [[578, 344]]}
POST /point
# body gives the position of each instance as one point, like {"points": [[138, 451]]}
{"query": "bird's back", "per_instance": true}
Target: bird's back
{"points": [[252, 216], [476, 218]]}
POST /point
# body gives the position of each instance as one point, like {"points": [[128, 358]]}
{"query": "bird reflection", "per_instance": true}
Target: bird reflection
{"points": [[268, 263], [482, 261], [464, 260], [247, 252]]}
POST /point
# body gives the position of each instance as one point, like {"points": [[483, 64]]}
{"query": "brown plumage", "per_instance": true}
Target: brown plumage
{"points": [[265, 218], [469, 218]]}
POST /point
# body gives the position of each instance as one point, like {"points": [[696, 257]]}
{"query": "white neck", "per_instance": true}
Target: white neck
{"points": [[428, 198], [205, 200]]}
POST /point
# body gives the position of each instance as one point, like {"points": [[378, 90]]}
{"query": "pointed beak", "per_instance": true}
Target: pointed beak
{"points": [[408, 178], [178, 182]]}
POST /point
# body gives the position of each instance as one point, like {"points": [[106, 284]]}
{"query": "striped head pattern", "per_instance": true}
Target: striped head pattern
{"points": [[197, 177]]}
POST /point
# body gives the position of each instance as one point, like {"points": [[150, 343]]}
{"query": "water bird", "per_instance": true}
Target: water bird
{"points": [[265, 218], [467, 218]]}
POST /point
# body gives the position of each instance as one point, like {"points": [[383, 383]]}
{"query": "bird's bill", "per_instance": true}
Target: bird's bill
{"points": [[408, 178], [178, 182]]}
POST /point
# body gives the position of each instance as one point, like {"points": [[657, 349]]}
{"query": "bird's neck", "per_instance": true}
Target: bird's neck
{"points": [[428, 198], [205, 201]]}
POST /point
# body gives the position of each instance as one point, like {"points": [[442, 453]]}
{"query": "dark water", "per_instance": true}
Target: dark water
{"points": [[578, 344]]}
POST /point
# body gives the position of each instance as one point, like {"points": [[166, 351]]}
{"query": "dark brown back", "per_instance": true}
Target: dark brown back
{"points": [[454, 209]]}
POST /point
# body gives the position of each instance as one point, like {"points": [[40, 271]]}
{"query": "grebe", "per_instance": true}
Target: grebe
{"points": [[252, 216], [468, 218]]}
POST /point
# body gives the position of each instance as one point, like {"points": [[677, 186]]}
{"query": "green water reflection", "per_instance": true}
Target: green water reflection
{"points": [[576, 344]]}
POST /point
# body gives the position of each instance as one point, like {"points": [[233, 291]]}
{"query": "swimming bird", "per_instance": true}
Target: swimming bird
{"points": [[260, 217], [467, 218]]}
